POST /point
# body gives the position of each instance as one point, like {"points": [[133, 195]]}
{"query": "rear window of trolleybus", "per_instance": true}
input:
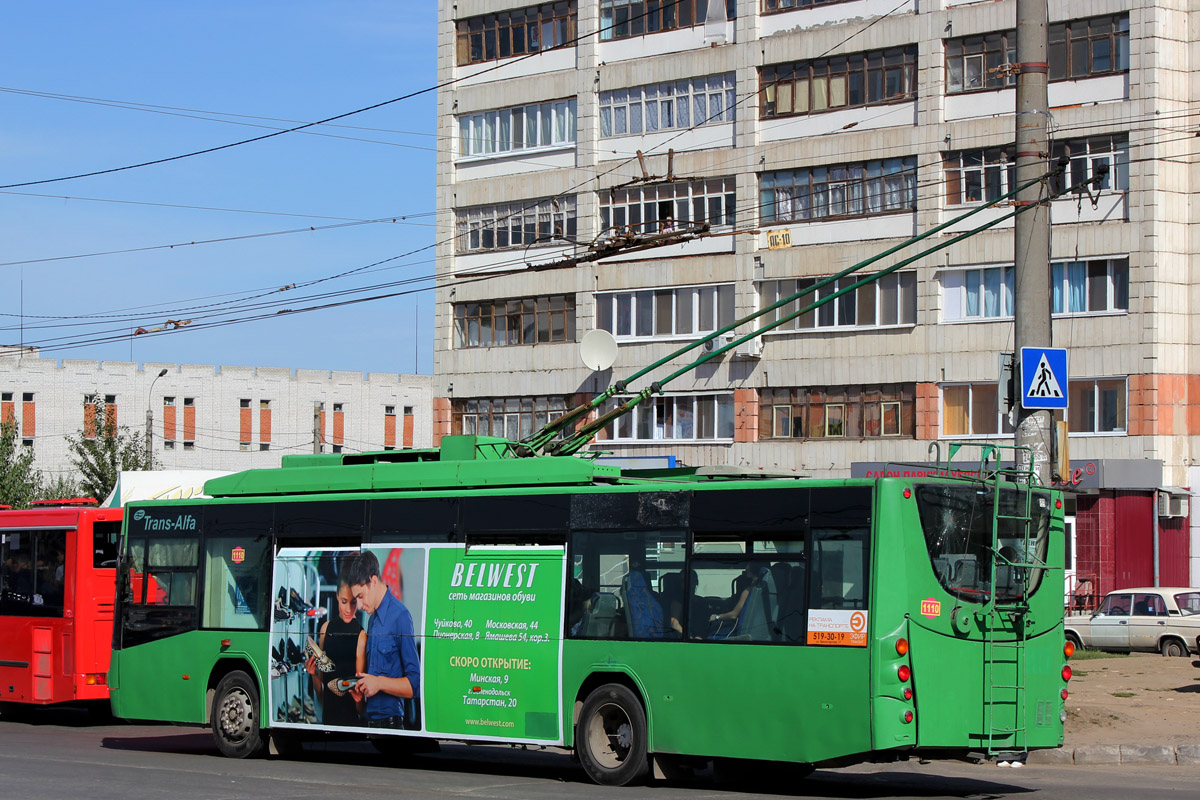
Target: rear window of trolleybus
{"points": [[957, 522]]}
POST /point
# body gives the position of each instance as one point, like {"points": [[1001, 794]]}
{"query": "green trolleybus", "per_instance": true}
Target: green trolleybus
{"points": [[643, 618]]}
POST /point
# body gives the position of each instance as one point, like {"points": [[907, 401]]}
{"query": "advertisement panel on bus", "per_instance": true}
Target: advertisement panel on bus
{"points": [[422, 639]]}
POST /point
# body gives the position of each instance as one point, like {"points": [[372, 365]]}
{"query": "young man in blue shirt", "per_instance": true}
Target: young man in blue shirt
{"points": [[390, 687]]}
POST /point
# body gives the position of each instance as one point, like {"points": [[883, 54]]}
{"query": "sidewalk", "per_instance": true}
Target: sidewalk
{"points": [[1136, 709]]}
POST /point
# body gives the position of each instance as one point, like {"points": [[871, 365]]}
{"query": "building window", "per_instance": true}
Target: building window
{"points": [[1088, 154], [846, 190], [515, 225], [264, 447], [972, 409], [974, 294], [684, 417], [664, 106], [977, 176], [665, 207], [91, 407], [1077, 49], [168, 444], [890, 300], [513, 33], [1077, 287], [855, 412], [189, 445], [857, 80], [1088, 287], [621, 19], [981, 62], [169, 402], [772, 6], [1096, 406], [520, 128], [513, 418], [651, 313], [1086, 47], [189, 422], [244, 402], [504, 323]]}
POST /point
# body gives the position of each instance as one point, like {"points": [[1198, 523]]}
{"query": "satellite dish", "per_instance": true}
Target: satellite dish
{"points": [[598, 349]]}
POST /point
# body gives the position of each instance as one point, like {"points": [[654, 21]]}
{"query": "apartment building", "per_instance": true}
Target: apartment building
{"points": [[211, 417], [782, 141]]}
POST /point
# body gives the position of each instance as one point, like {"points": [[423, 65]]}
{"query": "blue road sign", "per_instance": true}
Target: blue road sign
{"points": [[1044, 377]]}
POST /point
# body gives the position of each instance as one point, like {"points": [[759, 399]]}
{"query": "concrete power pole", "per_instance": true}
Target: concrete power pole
{"points": [[1032, 278], [317, 448]]}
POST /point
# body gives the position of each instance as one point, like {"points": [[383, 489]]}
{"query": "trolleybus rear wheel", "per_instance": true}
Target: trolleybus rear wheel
{"points": [[235, 716], [611, 736]]}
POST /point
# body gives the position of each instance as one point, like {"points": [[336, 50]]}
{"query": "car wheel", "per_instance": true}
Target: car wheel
{"points": [[1173, 648], [611, 736], [235, 716], [1073, 639]]}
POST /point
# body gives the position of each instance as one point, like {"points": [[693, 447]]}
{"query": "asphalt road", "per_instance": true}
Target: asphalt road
{"points": [[61, 755]]}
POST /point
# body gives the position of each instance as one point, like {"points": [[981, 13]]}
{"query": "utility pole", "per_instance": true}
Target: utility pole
{"points": [[316, 428], [150, 420], [1032, 278]]}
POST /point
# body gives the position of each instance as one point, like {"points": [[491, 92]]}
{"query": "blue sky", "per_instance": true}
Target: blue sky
{"points": [[295, 60]]}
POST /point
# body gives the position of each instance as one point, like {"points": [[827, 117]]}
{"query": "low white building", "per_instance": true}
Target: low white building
{"points": [[212, 417]]}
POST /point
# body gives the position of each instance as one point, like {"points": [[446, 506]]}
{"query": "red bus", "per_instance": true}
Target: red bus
{"points": [[57, 577]]}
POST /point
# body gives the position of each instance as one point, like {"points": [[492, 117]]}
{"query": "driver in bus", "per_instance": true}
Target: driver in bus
{"points": [[386, 691]]}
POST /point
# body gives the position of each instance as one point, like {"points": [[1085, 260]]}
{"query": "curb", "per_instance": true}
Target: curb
{"points": [[1184, 755]]}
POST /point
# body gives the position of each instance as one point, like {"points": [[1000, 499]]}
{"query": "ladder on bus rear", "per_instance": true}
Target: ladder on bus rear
{"points": [[1005, 617], [1004, 621]]}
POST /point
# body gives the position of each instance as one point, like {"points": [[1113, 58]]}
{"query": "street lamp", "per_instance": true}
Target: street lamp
{"points": [[150, 419]]}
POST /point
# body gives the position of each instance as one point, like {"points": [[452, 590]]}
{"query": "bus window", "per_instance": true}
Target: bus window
{"points": [[105, 536], [747, 589], [958, 525], [839, 568], [237, 578], [171, 572], [625, 585], [33, 573]]}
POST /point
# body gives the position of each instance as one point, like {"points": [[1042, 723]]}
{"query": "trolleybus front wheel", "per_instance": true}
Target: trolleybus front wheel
{"points": [[235, 716], [611, 736]]}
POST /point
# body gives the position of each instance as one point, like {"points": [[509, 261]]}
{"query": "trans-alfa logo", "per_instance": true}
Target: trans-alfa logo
{"points": [[180, 522]]}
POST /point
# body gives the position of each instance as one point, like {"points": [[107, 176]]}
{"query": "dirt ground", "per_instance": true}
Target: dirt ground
{"points": [[1141, 698]]}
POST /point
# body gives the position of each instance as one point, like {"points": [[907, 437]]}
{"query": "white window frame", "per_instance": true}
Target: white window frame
{"points": [[1095, 382], [647, 423], [1004, 429], [540, 223], [625, 310], [681, 102], [959, 284], [831, 316], [628, 209], [537, 127], [1061, 279]]}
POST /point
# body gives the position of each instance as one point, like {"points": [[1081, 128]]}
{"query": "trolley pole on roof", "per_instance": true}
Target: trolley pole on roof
{"points": [[1032, 251]]}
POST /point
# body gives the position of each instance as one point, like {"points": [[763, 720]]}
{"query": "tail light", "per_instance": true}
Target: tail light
{"points": [[904, 673], [1069, 648], [907, 717], [908, 692], [1065, 694], [902, 647], [1066, 673]]}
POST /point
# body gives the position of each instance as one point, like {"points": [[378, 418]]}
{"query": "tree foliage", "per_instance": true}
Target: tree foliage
{"points": [[103, 449], [20, 482]]}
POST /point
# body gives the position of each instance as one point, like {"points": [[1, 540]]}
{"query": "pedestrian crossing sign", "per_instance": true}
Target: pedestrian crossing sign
{"points": [[1044, 377]]}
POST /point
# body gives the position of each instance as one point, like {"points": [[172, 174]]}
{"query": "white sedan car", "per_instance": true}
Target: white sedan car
{"points": [[1162, 619]]}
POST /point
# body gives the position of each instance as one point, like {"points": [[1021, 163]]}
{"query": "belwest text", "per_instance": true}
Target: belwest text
{"points": [[509, 576]]}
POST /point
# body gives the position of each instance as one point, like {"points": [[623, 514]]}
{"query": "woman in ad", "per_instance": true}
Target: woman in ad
{"points": [[342, 645]]}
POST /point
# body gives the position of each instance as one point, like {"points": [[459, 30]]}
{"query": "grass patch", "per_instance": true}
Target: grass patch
{"points": [[1123, 694], [1095, 655]]}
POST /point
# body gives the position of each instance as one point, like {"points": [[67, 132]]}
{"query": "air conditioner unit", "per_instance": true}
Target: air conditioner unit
{"points": [[751, 348], [1172, 505], [717, 342]]}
